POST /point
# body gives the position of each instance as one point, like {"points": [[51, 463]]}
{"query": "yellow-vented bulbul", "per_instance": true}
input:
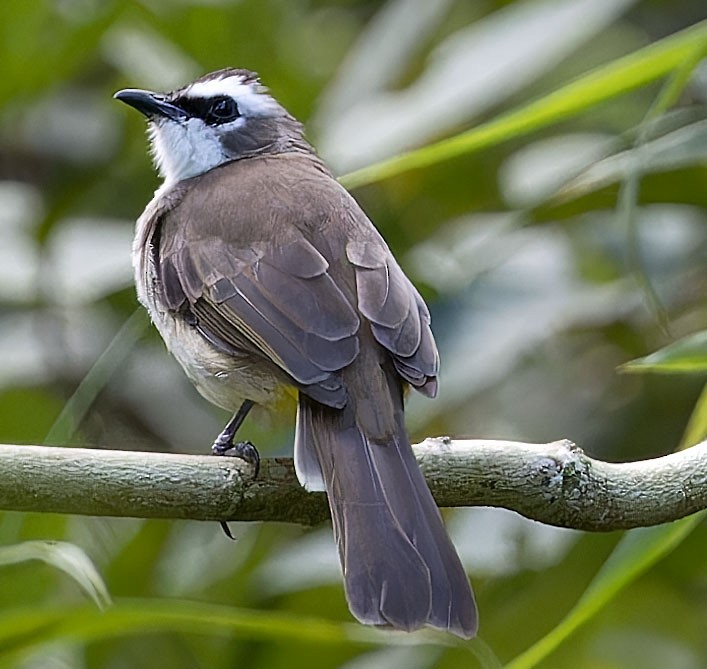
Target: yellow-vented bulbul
{"points": [[263, 276]]}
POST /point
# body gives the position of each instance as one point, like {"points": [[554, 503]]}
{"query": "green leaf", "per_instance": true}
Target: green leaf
{"points": [[637, 551], [98, 376], [23, 631], [484, 654], [608, 81], [696, 429], [685, 356], [680, 148], [67, 557]]}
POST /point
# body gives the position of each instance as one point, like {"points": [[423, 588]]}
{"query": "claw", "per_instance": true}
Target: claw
{"points": [[241, 449], [224, 445], [226, 530]]}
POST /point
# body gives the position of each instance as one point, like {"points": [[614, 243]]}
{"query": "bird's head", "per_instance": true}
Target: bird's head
{"points": [[220, 117]]}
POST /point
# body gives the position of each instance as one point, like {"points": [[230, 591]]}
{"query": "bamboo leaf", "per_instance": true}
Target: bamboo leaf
{"points": [[67, 557], [685, 356], [608, 81], [25, 630], [637, 551], [696, 429], [680, 148], [98, 376]]}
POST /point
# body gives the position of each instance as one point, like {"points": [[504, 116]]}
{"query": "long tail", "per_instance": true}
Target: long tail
{"points": [[400, 567]]}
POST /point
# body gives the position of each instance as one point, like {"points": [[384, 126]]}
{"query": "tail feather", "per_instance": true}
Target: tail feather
{"points": [[400, 568]]}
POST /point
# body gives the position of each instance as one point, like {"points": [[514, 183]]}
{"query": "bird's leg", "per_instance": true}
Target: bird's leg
{"points": [[224, 445]]}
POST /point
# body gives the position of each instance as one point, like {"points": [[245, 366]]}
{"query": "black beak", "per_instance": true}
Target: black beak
{"points": [[150, 104]]}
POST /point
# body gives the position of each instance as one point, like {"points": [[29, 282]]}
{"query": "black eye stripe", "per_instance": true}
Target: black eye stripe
{"points": [[198, 107], [214, 111]]}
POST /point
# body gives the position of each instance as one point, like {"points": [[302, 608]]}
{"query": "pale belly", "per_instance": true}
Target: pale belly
{"points": [[223, 379]]}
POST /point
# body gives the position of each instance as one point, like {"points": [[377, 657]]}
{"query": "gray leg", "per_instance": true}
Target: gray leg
{"points": [[224, 445]]}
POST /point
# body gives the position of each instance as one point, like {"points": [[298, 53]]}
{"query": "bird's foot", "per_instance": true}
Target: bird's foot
{"points": [[240, 449], [224, 446]]}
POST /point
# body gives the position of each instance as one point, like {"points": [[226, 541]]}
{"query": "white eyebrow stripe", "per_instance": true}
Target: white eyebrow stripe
{"points": [[233, 86], [248, 96]]}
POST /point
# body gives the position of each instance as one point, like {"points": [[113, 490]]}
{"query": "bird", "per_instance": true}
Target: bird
{"points": [[267, 281]]}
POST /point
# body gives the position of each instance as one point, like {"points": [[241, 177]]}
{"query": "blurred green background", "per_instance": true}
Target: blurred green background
{"points": [[548, 259]]}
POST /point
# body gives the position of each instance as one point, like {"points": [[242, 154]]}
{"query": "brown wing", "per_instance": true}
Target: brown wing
{"points": [[400, 320], [289, 280], [256, 284], [274, 299]]}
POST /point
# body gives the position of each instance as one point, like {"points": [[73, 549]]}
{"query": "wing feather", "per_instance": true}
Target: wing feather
{"points": [[274, 299], [293, 290], [400, 320]]}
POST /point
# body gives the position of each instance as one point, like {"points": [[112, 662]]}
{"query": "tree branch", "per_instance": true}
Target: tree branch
{"points": [[553, 483]]}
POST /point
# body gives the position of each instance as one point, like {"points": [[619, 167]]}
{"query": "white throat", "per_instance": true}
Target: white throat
{"points": [[184, 149]]}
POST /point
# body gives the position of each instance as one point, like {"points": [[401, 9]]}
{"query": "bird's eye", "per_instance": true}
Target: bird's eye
{"points": [[222, 110]]}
